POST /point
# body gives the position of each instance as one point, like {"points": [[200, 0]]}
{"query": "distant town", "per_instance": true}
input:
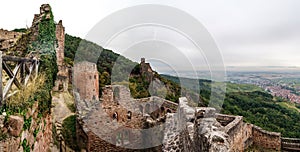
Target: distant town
{"points": [[279, 84]]}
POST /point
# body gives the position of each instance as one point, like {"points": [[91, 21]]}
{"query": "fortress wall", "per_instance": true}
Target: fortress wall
{"points": [[266, 139], [232, 132], [8, 38], [224, 119], [38, 135], [236, 129], [179, 130], [290, 144]]}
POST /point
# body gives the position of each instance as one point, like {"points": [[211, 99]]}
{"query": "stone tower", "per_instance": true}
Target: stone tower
{"points": [[86, 80], [62, 80], [60, 36]]}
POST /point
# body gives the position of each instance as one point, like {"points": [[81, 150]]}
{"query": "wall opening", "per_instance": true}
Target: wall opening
{"points": [[115, 116], [147, 108], [129, 114]]}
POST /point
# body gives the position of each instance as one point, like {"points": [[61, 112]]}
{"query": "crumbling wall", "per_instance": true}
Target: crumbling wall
{"points": [[189, 129], [266, 139], [209, 133], [86, 79], [62, 80], [290, 144], [235, 130], [8, 39], [37, 137], [60, 36], [179, 129]]}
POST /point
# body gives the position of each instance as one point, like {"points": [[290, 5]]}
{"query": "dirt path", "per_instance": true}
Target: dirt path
{"points": [[60, 110]]}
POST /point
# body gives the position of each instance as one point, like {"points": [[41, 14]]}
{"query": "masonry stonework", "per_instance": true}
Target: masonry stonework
{"points": [[38, 135], [86, 80], [8, 39], [186, 128]]}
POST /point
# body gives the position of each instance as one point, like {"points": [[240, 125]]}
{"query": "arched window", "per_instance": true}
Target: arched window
{"points": [[129, 114]]}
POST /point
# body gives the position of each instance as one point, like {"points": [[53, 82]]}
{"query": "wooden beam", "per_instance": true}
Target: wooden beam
{"points": [[36, 65], [1, 91], [22, 73], [17, 59], [11, 74], [10, 81], [29, 74]]}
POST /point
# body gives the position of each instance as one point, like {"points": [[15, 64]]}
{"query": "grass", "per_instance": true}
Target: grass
{"points": [[232, 87], [69, 100], [289, 105], [69, 132], [23, 98]]}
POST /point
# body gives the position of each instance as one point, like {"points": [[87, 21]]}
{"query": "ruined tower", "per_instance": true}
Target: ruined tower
{"points": [[60, 36], [146, 70], [62, 80], [86, 80]]}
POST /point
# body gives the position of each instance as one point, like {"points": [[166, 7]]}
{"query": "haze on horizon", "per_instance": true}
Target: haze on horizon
{"points": [[250, 33]]}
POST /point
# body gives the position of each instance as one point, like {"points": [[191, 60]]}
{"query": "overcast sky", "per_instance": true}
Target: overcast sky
{"points": [[248, 32]]}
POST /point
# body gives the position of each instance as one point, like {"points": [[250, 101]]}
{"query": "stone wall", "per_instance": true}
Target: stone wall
{"points": [[243, 135], [235, 131], [63, 75], [38, 135], [8, 39], [44, 13], [290, 144], [186, 128], [266, 139], [179, 129], [60, 36], [86, 80]]}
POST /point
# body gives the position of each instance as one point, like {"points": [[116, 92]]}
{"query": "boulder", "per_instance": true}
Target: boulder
{"points": [[15, 125]]}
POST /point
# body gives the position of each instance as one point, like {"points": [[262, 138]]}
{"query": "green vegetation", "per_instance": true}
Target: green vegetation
{"points": [[44, 46], [25, 145], [23, 30], [257, 107], [113, 67], [38, 89], [27, 123], [69, 132], [3, 136]]}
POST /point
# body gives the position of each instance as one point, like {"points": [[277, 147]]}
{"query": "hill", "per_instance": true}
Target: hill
{"points": [[257, 107], [109, 62]]}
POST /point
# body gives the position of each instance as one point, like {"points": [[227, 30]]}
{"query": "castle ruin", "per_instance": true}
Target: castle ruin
{"points": [[187, 128], [86, 80], [62, 80]]}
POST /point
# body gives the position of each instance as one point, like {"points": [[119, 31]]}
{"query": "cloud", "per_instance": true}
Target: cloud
{"points": [[249, 32]]}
